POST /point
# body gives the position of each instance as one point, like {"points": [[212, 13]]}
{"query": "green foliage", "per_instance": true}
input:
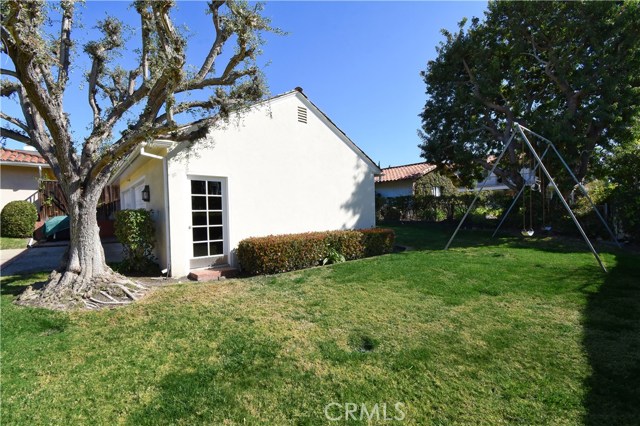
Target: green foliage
{"points": [[18, 219], [424, 186], [377, 241], [333, 256], [623, 169], [136, 231], [567, 70], [282, 253]]}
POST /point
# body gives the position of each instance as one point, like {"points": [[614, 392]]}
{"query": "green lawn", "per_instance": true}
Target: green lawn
{"points": [[491, 332], [13, 243]]}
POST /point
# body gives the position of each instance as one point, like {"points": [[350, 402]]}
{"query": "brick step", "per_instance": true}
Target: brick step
{"points": [[212, 274]]}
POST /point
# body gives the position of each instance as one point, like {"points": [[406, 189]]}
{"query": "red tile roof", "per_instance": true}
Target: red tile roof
{"points": [[408, 171], [20, 156]]}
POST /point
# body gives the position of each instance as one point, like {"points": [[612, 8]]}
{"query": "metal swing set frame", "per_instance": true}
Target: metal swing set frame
{"points": [[520, 131]]}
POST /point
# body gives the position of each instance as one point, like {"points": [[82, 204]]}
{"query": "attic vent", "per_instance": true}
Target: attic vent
{"points": [[302, 115]]}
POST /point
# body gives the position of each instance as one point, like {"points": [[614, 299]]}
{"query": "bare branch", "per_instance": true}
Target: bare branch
{"points": [[13, 120], [11, 134], [65, 42], [10, 73], [227, 79], [216, 48], [93, 81]]}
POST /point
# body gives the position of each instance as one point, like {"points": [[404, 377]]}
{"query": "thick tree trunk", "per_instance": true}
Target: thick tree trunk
{"points": [[84, 279]]}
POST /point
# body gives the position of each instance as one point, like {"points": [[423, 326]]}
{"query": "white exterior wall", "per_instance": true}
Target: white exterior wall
{"points": [[281, 177], [18, 183], [398, 188]]}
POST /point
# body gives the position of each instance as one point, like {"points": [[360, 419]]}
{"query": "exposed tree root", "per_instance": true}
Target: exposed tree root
{"points": [[68, 290]]}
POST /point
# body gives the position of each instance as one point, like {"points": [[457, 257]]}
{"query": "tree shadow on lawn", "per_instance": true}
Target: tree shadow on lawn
{"points": [[8, 284], [228, 384], [612, 343]]}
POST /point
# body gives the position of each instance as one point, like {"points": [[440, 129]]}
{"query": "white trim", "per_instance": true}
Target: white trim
{"points": [[132, 187], [226, 249], [21, 164]]}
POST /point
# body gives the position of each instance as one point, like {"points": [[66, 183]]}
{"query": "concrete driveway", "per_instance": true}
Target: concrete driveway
{"points": [[46, 257]]}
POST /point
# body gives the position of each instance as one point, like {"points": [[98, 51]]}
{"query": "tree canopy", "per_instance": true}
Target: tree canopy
{"points": [[567, 70], [139, 87]]}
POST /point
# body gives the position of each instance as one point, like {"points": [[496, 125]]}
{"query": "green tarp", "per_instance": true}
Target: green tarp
{"points": [[55, 224]]}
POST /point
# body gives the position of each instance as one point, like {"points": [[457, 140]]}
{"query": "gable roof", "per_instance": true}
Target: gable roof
{"points": [[301, 96], [405, 172], [298, 92], [20, 157]]}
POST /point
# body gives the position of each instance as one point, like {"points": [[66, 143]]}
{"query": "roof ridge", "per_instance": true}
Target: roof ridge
{"points": [[411, 164]]}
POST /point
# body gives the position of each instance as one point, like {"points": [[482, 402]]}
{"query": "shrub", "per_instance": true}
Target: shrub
{"points": [[377, 241], [18, 219], [135, 230], [282, 253]]}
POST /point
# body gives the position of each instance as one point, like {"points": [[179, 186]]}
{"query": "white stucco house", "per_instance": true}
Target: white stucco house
{"points": [[280, 167], [20, 175]]}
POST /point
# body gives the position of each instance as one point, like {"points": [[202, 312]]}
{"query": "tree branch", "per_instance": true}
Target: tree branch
{"points": [[16, 136], [13, 120], [216, 48], [65, 43], [8, 88]]}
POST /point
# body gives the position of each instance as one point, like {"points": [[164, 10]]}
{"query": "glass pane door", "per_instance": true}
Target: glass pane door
{"points": [[207, 218]]}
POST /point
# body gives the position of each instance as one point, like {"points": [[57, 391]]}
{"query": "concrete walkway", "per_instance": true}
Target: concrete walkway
{"points": [[45, 257]]}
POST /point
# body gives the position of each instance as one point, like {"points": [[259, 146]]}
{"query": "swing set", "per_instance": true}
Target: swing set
{"points": [[536, 183]]}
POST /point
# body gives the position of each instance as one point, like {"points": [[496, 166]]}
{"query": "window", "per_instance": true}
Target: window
{"points": [[207, 218], [131, 198]]}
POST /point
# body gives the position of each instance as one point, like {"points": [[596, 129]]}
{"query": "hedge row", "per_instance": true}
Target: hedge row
{"points": [[282, 253]]}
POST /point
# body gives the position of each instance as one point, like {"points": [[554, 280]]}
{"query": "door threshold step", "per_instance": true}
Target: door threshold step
{"points": [[212, 274]]}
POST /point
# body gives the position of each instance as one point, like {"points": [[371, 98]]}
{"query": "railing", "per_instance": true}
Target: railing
{"points": [[53, 202]]}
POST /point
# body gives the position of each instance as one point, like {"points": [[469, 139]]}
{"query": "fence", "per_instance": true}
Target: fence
{"points": [[53, 202]]}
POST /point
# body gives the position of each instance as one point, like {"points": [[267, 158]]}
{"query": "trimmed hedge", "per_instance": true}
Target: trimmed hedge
{"points": [[18, 219], [283, 253]]}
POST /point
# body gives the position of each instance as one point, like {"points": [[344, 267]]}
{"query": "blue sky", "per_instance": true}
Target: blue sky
{"points": [[359, 62]]}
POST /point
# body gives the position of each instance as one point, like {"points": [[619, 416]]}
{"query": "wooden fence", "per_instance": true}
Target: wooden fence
{"points": [[53, 203]]}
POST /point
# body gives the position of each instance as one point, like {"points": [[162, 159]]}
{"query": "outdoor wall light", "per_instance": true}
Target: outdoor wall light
{"points": [[146, 194]]}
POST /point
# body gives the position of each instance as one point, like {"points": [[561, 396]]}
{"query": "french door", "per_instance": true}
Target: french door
{"points": [[207, 223]]}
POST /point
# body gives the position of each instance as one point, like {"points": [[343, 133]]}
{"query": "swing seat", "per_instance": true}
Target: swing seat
{"points": [[527, 232]]}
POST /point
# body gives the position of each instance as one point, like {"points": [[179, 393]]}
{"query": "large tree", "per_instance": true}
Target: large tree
{"points": [[150, 99], [567, 70]]}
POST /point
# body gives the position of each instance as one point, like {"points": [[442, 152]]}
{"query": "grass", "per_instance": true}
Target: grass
{"points": [[13, 243], [490, 332]]}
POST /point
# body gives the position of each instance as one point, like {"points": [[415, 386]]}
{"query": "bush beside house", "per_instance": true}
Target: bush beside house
{"points": [[283, 253], [136, 231], [18, 219]]}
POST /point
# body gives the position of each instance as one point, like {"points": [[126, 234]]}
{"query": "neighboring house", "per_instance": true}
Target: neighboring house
{"points": [[20, 174], [279, 167], [399, 181]]}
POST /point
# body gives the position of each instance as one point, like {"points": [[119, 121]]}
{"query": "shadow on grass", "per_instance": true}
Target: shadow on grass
{"points": [[15, 284], [207, 392], [612, 343]]}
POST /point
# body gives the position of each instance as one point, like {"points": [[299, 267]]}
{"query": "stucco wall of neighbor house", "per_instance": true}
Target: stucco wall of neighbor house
{"points": [[398, 188], [18, 183], [282, 176], [148, 171]]}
